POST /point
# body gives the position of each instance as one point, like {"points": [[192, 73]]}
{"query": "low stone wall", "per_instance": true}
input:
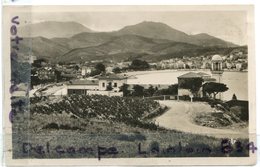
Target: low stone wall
{"points": [[106, 93]]}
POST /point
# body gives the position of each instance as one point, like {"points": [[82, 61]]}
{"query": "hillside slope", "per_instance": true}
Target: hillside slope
{"points": [[52, 29]]}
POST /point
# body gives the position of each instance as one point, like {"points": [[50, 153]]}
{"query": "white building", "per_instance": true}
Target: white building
{"points": [[32, 59], [113, 81], [105, 85], [82, 86], [238, 66], [85, 70]]}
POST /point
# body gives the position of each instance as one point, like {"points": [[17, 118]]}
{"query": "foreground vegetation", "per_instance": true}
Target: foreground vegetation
{"points": [[131, 111], [65, 128], [226, 114]]}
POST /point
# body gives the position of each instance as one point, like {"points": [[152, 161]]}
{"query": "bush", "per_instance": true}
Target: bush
{"points": [[54, 126], [160, 111], [154, 147], [67, 127], [51, 126], [241, 112], [132, 137]]}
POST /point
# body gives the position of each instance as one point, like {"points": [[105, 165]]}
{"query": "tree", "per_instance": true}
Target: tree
{"points": [[76, 67], [109, 87], [139, 65], [234, 97], [154, 147], [193, 84], [173, 89], [58, 76], [138, 90], [124, 89], [20, 72], [39, 62], [116, 70], [150, 90], [213, 88], [94, 72], [100, 67], [244, 66]]}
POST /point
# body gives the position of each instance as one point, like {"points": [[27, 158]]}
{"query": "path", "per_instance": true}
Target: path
{"points": [[179, 118]]}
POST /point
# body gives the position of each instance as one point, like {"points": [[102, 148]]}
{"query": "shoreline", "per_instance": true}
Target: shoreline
{"points": [[175, 70]]}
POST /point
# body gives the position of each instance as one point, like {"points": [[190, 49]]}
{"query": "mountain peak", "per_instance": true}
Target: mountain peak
{"points": [[158, 30], [155, 30], [203, 35], [151, 25]]}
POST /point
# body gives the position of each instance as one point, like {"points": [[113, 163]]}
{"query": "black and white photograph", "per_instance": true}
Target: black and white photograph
{"points": [[130, 82]]}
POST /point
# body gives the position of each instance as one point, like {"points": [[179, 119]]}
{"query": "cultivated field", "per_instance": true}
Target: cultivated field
{"points": [[72, 133]]}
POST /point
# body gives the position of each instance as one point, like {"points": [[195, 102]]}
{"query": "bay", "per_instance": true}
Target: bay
{"points": [[236, 81]]}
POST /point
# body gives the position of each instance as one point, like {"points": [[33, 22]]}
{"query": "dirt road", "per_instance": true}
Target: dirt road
{"points": [[179, 118]]}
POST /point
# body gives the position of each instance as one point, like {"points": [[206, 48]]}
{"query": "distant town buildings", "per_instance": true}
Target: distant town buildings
{"points": [[46, 73], [86, 70], [237, 61], [32, 59], [84, 78]]}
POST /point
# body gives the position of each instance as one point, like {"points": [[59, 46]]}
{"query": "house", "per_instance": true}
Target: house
{"points": [[183, 90], [238, 66], [205, 64], [81, 86], [111, 81], [206, 77], [108, 85], [109, 69], [228, 65], [180, 64], [190, 77], [125, 64], [85, 70], [46, 73], [32, 59]]}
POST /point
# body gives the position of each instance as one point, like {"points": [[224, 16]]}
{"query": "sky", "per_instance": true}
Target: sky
{"points": [[228, 25]]}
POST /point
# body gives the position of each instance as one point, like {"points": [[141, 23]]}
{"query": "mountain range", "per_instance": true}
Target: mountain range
{"points": [[51, 29], [152, 41]]}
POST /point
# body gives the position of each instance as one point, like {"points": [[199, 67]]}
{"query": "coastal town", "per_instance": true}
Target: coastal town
{"points": [[145, 84], [45, 74], [234, 61]]}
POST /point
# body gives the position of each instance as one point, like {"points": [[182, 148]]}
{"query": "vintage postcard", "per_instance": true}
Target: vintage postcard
{"points": [[129, 85]]}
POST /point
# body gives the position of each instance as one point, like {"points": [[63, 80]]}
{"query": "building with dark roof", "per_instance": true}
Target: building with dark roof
{"points": [[190, 77]]}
